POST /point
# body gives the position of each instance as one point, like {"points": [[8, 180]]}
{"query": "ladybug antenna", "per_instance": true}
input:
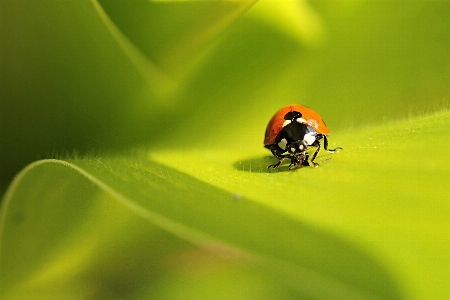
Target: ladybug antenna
{"points": [[292, 116]]}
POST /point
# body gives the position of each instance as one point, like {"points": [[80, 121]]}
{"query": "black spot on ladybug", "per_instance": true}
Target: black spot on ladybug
{"points": [[292, 115]]}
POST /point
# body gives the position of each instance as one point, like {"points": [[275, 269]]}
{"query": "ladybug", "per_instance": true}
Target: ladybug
{"points": [[291, 131]]}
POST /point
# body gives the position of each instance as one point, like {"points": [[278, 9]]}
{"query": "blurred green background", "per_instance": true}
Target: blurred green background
{"points": [[90, 76], [156, 105]]}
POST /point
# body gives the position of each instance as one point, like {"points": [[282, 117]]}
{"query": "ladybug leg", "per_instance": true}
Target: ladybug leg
{"points": [[294, 162], [325, 145], [275, 165], [305, 161], [278, 153], [316, 144]]}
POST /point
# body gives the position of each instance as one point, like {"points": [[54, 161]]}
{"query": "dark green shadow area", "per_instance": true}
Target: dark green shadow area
{"points": [[260, 164], [126, 217]]}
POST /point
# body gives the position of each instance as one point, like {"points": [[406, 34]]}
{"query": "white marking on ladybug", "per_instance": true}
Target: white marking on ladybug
{"points": [[287, 122], [301, 120], [282, 144], [310, 138]]}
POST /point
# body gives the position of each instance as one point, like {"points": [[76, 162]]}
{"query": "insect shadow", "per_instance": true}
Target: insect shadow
{"points": [[260, 165]]}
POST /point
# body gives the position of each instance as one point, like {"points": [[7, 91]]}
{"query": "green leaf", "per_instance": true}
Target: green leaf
{"points": [[173, 34], [72, 78], [194, 212], [134, 226]]}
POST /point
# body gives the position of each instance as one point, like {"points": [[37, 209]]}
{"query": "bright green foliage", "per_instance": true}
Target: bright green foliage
{"points": [[155, 112], [364, 225]]}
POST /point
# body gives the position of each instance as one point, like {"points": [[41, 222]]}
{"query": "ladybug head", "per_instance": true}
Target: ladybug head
{"points": [[297, 148]]}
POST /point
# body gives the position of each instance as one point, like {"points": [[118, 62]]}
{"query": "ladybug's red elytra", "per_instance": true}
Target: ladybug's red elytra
{"points": [[291, 131]]}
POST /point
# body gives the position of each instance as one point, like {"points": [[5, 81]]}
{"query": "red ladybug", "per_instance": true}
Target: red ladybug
{"points": [[291, 131]]}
